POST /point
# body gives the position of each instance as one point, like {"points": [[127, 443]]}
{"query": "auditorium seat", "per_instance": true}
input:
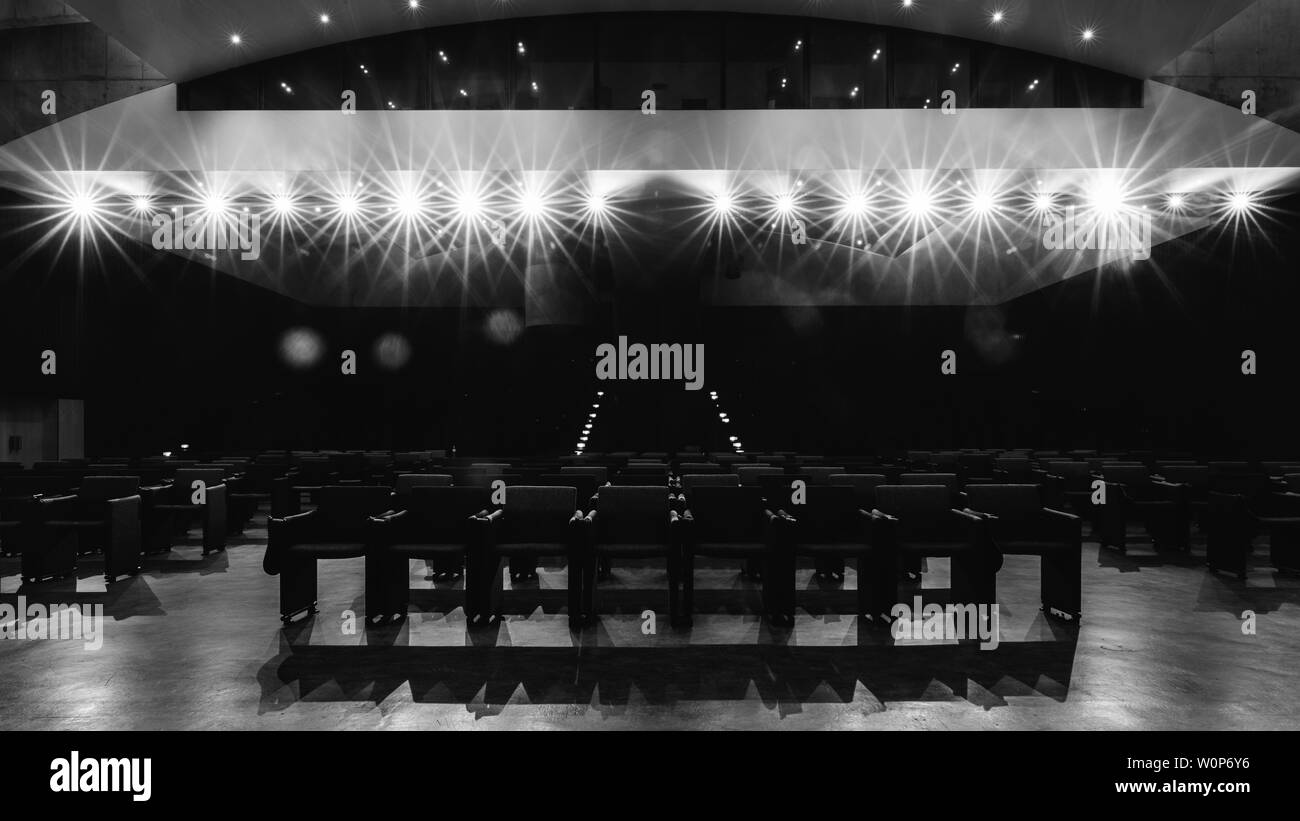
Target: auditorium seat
{"points": [[1069, 485], [1134, 496], [336, 529], [440, 524], [535, 522], [914, 522], [633, 522], [1021, 525], [730, 523], [103, 515], [1243, 505], [169, 510], [831, 528]]}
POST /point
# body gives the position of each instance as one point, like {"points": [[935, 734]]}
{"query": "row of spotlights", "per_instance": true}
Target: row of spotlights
{"points": [[918, 203]]}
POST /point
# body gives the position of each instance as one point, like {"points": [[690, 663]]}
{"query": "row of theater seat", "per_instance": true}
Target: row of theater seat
{"points": [[881, 528], [52, 521]]}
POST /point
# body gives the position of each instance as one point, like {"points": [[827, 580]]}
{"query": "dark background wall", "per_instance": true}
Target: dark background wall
{"points": [[164, 352]]}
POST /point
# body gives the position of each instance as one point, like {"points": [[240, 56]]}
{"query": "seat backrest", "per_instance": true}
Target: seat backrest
{"points": [[407, 482], [691, 481], [948, 480], [344, 510], [820, 474], [600, 474], [864, 485], [830, 513], [726, 514], [1009, 501], [907, 501], [750, 475], [537, 513], [1136, 476], [183, 484], [632, 514], [443, 512], [1018, 466], [698, 468], [584, 485], [1197, 476], [1070, 471], [104, 488]]}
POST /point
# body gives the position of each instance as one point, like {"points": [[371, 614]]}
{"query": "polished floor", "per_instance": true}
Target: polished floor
{"points": [[195, 643]]}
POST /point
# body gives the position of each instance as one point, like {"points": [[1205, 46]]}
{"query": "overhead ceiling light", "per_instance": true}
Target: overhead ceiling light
{"points": [[1176, 202], [324, 19], [236, 39], [999, 16]]}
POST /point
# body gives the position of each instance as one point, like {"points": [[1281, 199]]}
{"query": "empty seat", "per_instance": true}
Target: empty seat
{"points": [[336, 529], [634, 522], [437, 523], [1020, 524], [535, 522], [831, 527], [914, 522], [195, 494], [103, 515], [1133, 495], [732, 523]]}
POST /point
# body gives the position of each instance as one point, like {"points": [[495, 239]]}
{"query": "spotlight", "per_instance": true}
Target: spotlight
{"points": [[532, 204], [1044, 201], [1241, 202], [919, 204], [82, 206], [724, 205], [1108, 198], [215, 204], [141, 204], [785, 205], [324, 19], [409, 205], [1088, 35], [983, 203], [856, 205], [413, 4], [999, 16], [236, 39], [469, 205], [167, 454], [600, 393], [347, 205], [596, 205], [282, 205], [1176, 202]]}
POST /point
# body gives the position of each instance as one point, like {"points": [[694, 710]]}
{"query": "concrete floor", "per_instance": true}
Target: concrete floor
{"points": [[195, 643]]}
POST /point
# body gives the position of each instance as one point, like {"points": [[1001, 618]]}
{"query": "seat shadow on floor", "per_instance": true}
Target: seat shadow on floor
{"points": [[129, 596], [1265, 590], [486, 678]]}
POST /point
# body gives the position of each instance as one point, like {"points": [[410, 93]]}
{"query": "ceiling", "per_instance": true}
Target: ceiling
{"points": [[186, 39]]}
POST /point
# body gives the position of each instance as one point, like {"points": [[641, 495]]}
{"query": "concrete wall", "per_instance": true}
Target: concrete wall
{"points": [[1258, 50], [47, 46]]}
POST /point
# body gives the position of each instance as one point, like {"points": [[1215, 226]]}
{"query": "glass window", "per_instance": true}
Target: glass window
{"points": [[848, 66], [555, 63], [678, 56], [388, 73], [471, 66], [765, 58], [310, 81], [1006, 78], [926, 66]]}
